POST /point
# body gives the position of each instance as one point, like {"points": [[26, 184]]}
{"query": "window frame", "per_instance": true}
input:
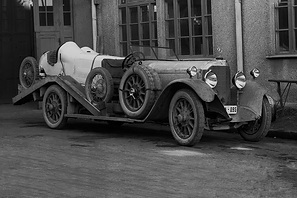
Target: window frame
{"points": [[207, 51], [125, 43], [292, 31]]}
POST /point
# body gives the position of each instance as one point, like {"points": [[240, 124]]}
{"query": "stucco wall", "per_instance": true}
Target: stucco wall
{"points": [[109, 20], [223, 20], [258, 35], [82, 19], [258, 38]]}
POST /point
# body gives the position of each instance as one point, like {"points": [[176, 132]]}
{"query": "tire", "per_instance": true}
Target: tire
{"points": [[99, 86], [28, 72], [186, 117], [54, 107], [137, 91], [256, 130]]}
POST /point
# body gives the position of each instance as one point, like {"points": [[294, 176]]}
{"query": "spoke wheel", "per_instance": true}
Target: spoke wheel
{"points": [[137, 91], [28, 72], [134, 92], [256, 130], [54, 107], [186, 117], [99, 86]]}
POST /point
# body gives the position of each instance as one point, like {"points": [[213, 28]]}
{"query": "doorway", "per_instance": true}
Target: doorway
{"points": [[53, 24]]}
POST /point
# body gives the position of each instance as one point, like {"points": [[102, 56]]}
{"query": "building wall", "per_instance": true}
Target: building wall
{"points": [[258, 21]]}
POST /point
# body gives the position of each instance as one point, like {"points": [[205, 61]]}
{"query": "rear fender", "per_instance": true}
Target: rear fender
{"points": [[250, 102], [160, 109]]}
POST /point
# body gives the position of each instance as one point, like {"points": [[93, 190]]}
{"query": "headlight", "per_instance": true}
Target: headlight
{"points": [[239, 80], [255, 73], [211, 79], [192, 71]]}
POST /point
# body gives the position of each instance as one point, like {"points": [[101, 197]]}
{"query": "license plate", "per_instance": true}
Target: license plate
{"points": [[231, 109]]}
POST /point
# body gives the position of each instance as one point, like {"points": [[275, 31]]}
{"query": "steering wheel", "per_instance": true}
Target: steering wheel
{"points": [[132, 58]]}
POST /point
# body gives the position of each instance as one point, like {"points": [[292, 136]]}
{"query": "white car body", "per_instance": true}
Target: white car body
{"points": [[73, 61]]}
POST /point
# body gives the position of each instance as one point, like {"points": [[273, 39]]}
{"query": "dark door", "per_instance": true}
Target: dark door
{"points": [[16, 42], [53, 24]]}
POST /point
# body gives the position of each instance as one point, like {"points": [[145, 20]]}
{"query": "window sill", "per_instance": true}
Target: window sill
{"points": [[282, 56]]}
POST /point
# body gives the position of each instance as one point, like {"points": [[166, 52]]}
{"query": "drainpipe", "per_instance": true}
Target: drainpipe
{"points": [[239, 44], [94, 25]]}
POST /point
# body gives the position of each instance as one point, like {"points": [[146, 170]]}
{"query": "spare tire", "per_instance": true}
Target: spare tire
{"points": [[28, 72], [99, 86], [138, 91]]}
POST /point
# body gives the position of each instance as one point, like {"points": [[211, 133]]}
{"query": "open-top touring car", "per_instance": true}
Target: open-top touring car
{"points": [[150, 84]]}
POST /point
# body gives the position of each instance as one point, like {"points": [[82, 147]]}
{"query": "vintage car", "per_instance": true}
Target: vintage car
{"points": [[152, 84], [68, 59]]}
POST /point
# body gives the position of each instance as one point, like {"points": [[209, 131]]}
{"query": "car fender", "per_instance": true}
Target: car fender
{"points": [[250, 102], [160, 109]]}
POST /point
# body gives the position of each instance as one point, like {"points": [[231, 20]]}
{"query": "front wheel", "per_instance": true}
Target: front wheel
{"points": [[54, 107], [186, 117], [256, 130]]}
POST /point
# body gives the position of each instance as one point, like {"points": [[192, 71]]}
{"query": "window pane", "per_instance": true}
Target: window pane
{"points": [[184, 46], [182, 8], [284, 41], [295, 2], [123, 15], [133, 15], [124, 49], [171, 44], [67, 19], [208, 2], [66, 5], [42, 19], [170, 29], [295, 15], [50, 19], [134, 32], [210, 45], [198, 45], [154, 30], [196, 7], [209, 25], [197, 26], [283, 18], [170, 13], [155, 13], [145, 31], [184, 27], [144, 13], [124, 32]]}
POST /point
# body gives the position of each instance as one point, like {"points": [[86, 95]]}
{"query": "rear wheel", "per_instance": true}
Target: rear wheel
{"points": [[99, 86], [54, 107], [256, 130], [28, 72], [186, 117]]}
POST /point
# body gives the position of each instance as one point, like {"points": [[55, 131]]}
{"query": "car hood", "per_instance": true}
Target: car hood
{"points": [[182, 66]]}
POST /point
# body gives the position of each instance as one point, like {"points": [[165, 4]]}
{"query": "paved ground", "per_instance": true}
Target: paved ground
{"points": [[90, 159]]}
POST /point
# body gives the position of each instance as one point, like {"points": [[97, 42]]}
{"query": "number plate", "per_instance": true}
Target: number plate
{"points": [[231, 109]]}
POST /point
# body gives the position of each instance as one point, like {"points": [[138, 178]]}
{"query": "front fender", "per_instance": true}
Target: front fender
{"points": [[250, 102], [161, 107]]}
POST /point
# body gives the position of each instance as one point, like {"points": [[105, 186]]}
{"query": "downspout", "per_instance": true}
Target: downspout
{"points": [[94, 25], [239, 43]]}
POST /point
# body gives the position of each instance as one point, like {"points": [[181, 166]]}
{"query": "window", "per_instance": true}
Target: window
{"points": [[138, 24], [286, 27], [189, 27], [46, 12]]}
